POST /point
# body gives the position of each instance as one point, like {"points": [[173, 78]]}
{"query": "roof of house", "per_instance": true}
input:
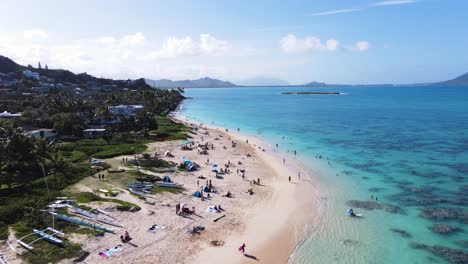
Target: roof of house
{"points": [[94, 130], [8, 114]]}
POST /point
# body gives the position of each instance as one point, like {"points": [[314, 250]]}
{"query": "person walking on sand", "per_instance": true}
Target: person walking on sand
{"points": [[177, 208], [284, 161], [289, 178], [299, 175], [242, 249]]}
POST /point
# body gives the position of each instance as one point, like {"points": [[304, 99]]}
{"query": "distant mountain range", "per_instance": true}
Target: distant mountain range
{"points": [[461, 80], [7, 65], [261, 81], [199, 83]]}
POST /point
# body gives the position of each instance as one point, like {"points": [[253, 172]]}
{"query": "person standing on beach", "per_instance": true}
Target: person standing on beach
{"points": [[177, 208], [299, 175], [289, 178], [242, 249], [284, 161]]}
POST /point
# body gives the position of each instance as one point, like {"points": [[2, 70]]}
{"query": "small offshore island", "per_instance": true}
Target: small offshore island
{"points": [[303, 93]]}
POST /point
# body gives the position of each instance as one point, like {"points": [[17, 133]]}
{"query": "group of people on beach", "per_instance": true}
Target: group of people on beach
{"points": [[101, 176]]}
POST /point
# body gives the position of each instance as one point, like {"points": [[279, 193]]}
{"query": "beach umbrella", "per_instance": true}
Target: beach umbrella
{"points": [[214, 165], [214, 171]]}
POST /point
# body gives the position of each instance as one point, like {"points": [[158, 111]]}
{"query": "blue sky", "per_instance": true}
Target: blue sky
{"points": [[347, 41]]}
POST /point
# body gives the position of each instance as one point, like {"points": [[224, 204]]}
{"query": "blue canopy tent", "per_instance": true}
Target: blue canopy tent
{"points": [[197, 194]]}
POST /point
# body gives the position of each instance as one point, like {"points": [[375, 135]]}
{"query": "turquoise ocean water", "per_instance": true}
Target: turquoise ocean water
{"points": [[408, 146]]}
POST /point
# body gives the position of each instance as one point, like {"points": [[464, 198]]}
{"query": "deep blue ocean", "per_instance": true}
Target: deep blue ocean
{"points": [[407, 146]]}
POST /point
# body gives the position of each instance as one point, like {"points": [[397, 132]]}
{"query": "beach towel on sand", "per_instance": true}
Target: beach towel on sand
{"points": [[108, 252], [211, 209]]}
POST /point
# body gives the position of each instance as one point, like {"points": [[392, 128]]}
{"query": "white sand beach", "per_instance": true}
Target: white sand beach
{"points": [[271, 221]]}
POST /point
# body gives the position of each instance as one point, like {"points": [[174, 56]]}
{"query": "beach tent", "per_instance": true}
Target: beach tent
{"points": [[216, 171], [214, 165], [185, 143], [191, 167], [187, 162], [206, 189], [167, 179], [197, 194]]}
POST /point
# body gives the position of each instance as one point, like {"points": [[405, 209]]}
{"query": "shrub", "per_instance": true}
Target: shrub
{"points": [[3, 231], [182, 166]]}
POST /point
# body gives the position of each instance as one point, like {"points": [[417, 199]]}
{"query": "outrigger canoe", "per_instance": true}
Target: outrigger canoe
{"points": [[47, 237], [170, 185], [94, 216], [137, 192], [81, 223]]}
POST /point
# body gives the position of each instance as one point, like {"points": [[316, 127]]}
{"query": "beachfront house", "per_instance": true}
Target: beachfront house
{"points": [[94, 132], [8, 115], [45, 133], [125, 110]]}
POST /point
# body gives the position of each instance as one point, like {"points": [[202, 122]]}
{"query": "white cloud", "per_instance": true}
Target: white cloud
{"points": [[35, 35], [394, 2], [360, 46], [176, 47], [334, 12], [133, 40], [106, 40], [362, 8], [211, 45], [332, 44], [291, 44]]}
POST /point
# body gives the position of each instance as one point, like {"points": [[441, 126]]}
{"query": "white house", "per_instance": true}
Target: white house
{"points": [[8, 115], [31, 74], [94, 132]]}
